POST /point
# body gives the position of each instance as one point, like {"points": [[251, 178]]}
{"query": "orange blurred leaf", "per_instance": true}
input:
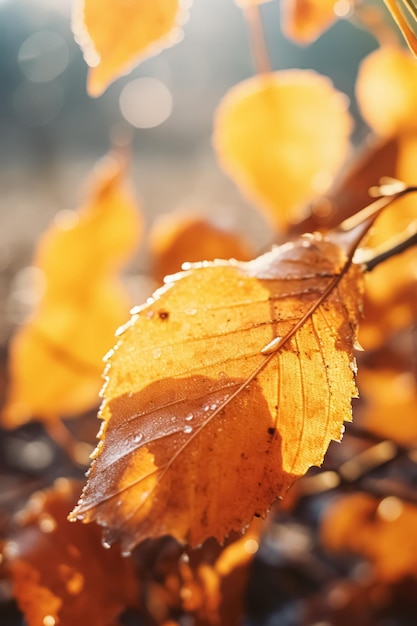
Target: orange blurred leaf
{"points": [[115, 35], [61, 570], [56, 357], [282, 137], [223, 389], [177, 237], [305, 20], [387, 392], [381, 531]]}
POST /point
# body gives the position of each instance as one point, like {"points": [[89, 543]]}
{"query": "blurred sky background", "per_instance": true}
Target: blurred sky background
{"points": [[52, 132]]}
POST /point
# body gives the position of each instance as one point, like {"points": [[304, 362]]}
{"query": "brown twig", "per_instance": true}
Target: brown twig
{"points": [[257, 39]]}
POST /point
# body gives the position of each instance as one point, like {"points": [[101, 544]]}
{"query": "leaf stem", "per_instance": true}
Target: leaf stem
{"points": [[394, 247], [257, 39]]}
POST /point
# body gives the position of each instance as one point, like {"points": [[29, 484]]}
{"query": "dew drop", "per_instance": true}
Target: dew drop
{"points": [[138, 438], [357, 346], [173, 418], [188, 429], [206, 408], [106, 545], [213, 407], [126, 553], [189, 417]]}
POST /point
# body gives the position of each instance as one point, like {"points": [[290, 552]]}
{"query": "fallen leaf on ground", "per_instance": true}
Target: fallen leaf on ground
{"points": [[60, 571]]}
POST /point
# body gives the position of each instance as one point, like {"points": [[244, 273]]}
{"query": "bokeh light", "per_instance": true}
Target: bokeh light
{"points": [[43, 56], [145, 102]]}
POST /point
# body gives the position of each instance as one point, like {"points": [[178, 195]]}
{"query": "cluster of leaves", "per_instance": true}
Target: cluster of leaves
{"points": [[235, 376]]}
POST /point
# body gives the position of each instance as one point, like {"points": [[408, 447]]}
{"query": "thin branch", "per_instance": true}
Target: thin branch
{"points": [[394, 247], [257, 39]]}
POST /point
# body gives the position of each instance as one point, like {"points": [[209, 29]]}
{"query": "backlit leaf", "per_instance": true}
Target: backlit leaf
{"points": [[282, 137], [305, 20], [56, 357], [61, 570], [115, 35], [205, 421], [386, 90]]}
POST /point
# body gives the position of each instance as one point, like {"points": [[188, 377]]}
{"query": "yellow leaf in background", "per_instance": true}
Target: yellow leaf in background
{"points": [[386, 91], [303, 21], [404, 13], [56, 357], [115, 35], [282, 137]]}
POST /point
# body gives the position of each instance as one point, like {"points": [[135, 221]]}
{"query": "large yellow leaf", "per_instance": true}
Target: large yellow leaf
{"points": [[115, 35], [282, 137], [223, 389], [56, 357]]}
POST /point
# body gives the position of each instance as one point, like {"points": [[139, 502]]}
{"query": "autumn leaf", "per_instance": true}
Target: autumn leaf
{"points": [[387, 96], [56, 357], [386, 90], [61, 572], [178, 236], [282, 137], [388, 391], [305, 20], [379, 530], [115, 35], [224, 388]]}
